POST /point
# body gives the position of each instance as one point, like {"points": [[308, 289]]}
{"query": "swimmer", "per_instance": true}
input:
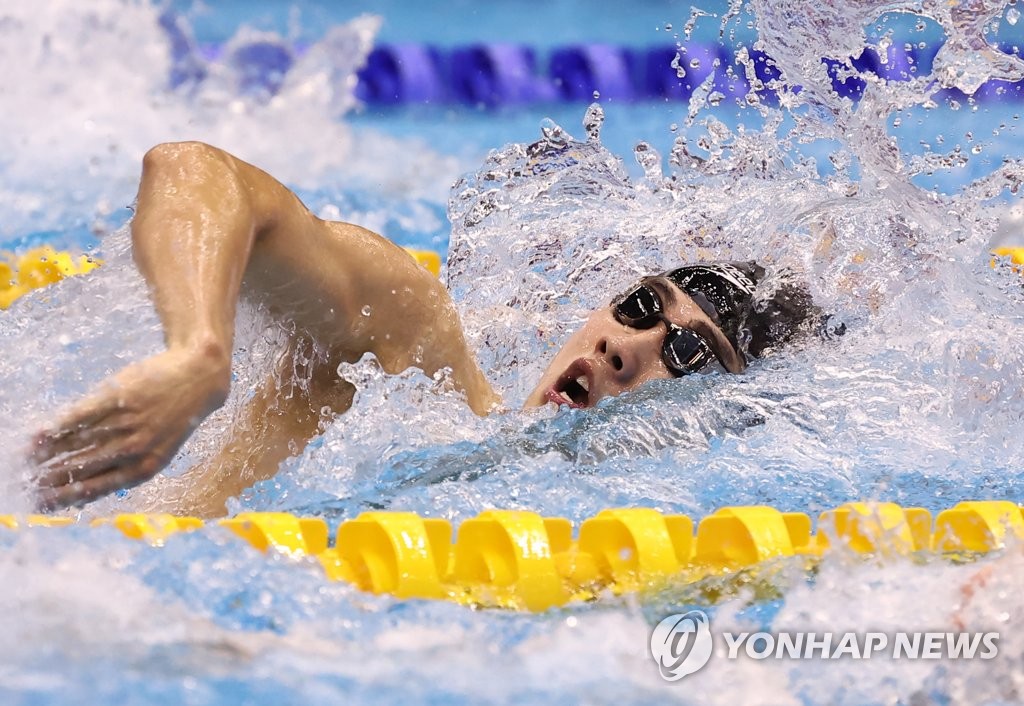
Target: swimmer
{"points": [[205, 220]]}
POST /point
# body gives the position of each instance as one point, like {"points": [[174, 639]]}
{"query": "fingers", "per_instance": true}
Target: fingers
{"points": [[80, 454], [49, 499], [122, 434], [92, 452], [84, 463], [50, 445], [78, 429]]}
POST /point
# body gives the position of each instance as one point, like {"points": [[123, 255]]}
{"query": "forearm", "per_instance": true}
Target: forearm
{"points": [[204, 220], [192, 237], [282, 415]]}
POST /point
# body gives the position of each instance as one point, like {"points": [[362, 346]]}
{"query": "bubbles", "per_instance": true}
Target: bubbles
{"points": [[1013, 15]]}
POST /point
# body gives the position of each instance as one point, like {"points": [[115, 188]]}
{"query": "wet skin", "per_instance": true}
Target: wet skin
{"points": [[606, 358], [205, 221]]}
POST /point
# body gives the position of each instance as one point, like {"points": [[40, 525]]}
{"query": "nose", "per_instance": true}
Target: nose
{"points": [[624, 353]]}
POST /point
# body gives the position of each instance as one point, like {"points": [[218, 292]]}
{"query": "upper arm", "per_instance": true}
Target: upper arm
{"points": [[352, 289]]}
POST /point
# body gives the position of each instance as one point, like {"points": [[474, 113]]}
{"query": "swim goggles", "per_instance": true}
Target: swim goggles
{"points": [[684, 351]]}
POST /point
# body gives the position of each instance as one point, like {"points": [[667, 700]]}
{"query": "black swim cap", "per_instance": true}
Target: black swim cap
{"points": [[725, 291]]}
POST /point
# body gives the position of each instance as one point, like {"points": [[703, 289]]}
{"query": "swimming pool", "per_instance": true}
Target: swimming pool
{"points": [[921, 403]]}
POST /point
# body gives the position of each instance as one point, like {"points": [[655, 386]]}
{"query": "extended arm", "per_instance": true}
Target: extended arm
{"points": [[204, 220]]}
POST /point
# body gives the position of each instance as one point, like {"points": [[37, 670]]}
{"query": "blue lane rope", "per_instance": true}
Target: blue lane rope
{"points": [[501, 74]]}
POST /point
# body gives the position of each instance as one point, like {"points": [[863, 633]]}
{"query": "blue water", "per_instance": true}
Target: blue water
{"points": [[921, 404], [461, 22]]}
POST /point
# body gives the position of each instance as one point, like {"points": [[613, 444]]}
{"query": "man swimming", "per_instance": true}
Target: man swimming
{"points": [[206, 220]]}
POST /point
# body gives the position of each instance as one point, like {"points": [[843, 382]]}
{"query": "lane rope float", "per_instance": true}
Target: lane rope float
{"points": [[38, 268], [520, 560]]}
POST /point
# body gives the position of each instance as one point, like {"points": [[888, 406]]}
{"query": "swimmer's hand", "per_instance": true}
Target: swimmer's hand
{"points": [[129, 429]]}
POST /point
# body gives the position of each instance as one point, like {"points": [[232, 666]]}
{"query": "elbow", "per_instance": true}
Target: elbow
{"points": [[171, 157]]}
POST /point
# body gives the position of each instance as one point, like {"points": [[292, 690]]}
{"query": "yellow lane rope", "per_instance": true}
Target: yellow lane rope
{"points": [[520, 560]]}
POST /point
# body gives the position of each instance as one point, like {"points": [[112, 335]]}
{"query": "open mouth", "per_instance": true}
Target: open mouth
{"points": [[573, 387]]}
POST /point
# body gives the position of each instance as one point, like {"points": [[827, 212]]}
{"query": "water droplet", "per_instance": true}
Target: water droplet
{"points": [[365, 311], [649, 159], [695, 14], [718, 131], [668, 26], [883, 45], [694, 63], [976, 149], [596, 95], [716, 98], [673, 127], [677, 64], [1012, 15], [897, 122], [593, 119], [553, 132]]}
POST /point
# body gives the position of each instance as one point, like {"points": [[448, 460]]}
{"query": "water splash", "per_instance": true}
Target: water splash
{"points": [[905, 268], [920, 402], [83, 132]]}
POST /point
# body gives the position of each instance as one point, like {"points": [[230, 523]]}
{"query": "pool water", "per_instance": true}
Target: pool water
{"points": [[920, 403]]}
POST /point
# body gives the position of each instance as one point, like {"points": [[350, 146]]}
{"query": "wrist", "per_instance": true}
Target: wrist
{"points": [[209, 361]]}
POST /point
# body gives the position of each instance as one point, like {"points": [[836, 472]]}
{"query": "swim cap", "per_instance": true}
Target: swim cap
{"points": [[725, 291]]}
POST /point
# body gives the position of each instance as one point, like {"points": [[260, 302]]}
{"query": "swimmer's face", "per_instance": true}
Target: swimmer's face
{"points": [[605, 357]]}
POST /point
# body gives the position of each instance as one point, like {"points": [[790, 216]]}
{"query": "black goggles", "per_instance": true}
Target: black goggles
{"points": [[684, 351]]}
